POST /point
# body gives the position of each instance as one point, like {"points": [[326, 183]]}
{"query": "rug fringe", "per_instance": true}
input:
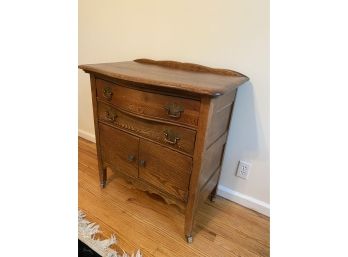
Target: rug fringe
{"points": [[87, 234]]}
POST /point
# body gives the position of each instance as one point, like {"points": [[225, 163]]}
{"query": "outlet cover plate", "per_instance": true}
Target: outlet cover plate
{"points": [[243, 169]]}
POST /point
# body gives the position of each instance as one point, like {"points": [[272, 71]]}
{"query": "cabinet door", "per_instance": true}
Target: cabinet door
{"points": [[119, 150], [166, 169]]}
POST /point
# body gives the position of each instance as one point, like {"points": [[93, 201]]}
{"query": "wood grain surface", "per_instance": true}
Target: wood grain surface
{"points": [[212, 159], [148, 103], [199, 81], [145, 221], [124, 155], [149, 129], [165, 169], [186, 66]]}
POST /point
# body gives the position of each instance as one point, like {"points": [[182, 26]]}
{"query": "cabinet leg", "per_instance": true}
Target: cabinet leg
{"points": [[189, 239], [213, 194], [189, 223], [102, 177]]}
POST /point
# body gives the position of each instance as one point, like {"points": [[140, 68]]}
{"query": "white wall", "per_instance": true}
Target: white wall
{"points": [[230, 34]]}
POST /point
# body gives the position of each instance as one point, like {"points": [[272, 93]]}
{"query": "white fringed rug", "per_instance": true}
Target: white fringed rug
{"points": [[87, 235]]}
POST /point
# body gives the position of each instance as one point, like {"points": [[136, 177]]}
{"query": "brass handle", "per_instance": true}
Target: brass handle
{"points": [[170, 137], [174, 110], [131, 157], [111, 115], [107, 93], [142, 163]]}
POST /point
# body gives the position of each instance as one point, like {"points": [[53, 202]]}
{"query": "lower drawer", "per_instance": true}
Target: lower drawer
{"points": [[166, 169]]}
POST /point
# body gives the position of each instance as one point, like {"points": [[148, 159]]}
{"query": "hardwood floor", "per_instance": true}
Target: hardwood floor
{"points": [[143, 221]]}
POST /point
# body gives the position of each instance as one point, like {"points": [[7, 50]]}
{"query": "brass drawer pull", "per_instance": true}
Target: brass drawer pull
{"points": [[131, 158], [142, 163], [174, 110], [111, 115], [170, 137], [107, 93]]}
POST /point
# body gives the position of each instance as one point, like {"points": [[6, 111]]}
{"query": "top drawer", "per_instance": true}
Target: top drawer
{"points": [[175, 109]]}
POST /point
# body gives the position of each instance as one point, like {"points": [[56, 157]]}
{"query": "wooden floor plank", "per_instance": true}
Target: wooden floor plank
{"points": [[142, 220]]}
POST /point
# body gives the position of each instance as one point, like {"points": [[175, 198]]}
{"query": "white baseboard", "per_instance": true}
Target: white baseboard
{"points": [[244, 200], [86, 135]]}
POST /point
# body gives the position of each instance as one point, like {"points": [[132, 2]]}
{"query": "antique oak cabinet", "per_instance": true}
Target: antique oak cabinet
{"points": [[163, 125]]}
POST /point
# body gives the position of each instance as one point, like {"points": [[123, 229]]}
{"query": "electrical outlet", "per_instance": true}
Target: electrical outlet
{"points": [[243, 169]]}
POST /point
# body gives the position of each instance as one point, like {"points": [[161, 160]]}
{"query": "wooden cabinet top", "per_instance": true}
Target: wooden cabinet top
{"points": [[188, 77]]}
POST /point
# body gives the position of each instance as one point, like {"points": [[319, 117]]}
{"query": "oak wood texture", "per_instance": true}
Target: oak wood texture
{"points": [[177, 76], [180, 157], [101, 168], [190, 67], [148, 103], [147, 128], [212, 159], [122, 155], [165, 169], [143, 221], [193, 200], [221, 114]]}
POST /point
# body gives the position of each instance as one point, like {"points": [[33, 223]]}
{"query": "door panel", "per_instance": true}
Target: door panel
{"points": [[119, 149], [164, 168]]}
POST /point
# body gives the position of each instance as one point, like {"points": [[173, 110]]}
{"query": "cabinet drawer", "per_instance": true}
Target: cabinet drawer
{"points": [[179, 138], [166, 169], [119, 149], [171, 108]]}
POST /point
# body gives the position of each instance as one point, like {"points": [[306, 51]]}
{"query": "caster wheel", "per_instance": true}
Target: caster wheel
{"points": [[102, 185], [189, 239]]}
